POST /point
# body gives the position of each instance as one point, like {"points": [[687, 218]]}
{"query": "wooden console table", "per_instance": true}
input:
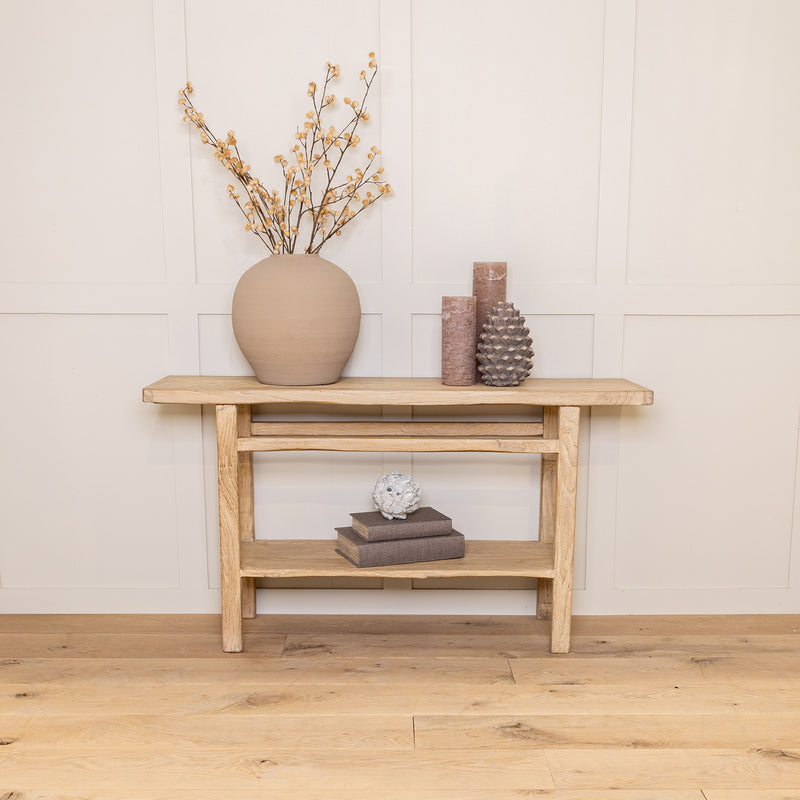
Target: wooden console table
{"points": [[550, 559]]}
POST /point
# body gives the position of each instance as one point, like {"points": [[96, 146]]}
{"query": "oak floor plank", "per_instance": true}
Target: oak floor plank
{"points": [[245, 671], [205, 732], [641, 731], [413, 645], [148, 695], [675, 768], [332, 643], [697, 646], [752, 794], [173, 624], [275, 773], [687, 624], [136, 645], [394, 794], [752, 668]]}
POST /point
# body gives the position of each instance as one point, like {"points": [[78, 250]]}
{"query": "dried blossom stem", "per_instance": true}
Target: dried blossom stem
{"points": [[322, 207]]}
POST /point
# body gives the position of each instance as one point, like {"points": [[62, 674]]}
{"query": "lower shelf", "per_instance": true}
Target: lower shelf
{"points": [[305, 558]]}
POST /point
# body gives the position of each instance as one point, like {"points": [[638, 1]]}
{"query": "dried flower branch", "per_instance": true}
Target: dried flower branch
{"points": [[316, 201]]}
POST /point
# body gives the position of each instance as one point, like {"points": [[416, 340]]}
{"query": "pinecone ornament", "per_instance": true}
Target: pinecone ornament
{"points": [[505, 356]]}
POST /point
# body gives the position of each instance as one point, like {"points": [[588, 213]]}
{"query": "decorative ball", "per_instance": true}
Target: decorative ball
{"points": [[396, 495]]}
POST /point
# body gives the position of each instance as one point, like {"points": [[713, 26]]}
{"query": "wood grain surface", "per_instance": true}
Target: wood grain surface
{"points": [[398, 391], [413, 708]]}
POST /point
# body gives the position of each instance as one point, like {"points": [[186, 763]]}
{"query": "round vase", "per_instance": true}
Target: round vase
{"points": [[296, 319]]}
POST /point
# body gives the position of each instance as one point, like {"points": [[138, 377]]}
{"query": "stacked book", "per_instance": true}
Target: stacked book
{"points": [[374, 541]]}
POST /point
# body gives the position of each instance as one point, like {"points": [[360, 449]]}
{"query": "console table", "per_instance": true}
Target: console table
{"points": [[550, 559]]}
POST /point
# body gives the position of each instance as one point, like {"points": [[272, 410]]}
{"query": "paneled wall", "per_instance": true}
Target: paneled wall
{"points": [[636, 165]]}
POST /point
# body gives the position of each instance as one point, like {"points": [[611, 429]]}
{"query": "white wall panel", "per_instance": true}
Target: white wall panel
{"points": [[706, 477], [93, 500], [715, 170], [81, 169], [506, 112], [635, 163]]}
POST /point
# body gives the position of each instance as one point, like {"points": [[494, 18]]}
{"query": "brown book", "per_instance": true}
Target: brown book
{"points": [[425, 521], [398, 551]]}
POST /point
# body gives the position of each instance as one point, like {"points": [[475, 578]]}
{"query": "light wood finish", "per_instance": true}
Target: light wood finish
{"points": [[547, 508], [247, 533], [305, 557], [243, 559], [399, 392], [407, 708], [462, 429], [564, 539], [229, 527], [400, 444], [600, 731]]}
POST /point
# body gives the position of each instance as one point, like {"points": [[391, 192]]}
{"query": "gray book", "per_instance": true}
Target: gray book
{"points": [[425, 521], [398, 551]]}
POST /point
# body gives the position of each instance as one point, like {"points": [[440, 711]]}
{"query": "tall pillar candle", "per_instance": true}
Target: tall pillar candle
{"points": [[458, 341], [489, 289]]}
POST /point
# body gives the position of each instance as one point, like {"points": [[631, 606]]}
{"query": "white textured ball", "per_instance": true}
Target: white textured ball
{"points": [[396, 495]]}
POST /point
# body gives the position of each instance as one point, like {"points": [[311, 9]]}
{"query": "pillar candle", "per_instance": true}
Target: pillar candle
{"points": [[458, 341], [489, 289]]}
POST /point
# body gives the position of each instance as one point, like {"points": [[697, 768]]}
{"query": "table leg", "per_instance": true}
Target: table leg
{"points": [[229, 516], [564, 542], [244, 419], [547, 509]]}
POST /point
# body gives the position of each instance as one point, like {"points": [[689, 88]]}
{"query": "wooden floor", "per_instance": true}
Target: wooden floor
{"points": [[644, 708]]}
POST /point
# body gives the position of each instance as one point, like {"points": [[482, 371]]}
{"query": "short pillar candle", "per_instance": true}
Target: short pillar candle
{"points": [[458, 341], [489, 289]]}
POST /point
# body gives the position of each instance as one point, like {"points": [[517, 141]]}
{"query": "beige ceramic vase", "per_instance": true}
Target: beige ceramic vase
{"points": [[296, 319]]}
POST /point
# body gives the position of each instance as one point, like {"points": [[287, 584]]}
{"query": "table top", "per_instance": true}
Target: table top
{"points": [[229, 390]]}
